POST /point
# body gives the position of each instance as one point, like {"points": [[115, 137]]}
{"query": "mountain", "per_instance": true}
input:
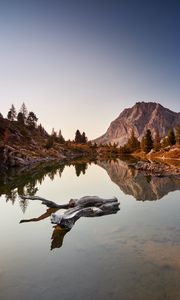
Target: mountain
{"points": [[140, 117]]}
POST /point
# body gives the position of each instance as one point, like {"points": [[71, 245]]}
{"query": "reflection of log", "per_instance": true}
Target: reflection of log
{"points": [[42, 217], [58, 237], [89, 206]]}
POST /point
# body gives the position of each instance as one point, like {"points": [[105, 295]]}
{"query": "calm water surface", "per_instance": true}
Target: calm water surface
{"points": [[134, 254]]}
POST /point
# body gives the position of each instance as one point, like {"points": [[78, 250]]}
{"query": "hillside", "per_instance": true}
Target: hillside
{"points": [[22, 145]]}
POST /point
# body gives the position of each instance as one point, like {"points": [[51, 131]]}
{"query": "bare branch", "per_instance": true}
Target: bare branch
{"points": [[46, 202]]}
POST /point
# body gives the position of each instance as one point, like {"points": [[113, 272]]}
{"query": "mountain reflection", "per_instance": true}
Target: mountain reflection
{"points": [[25, 181], [135, 183]]}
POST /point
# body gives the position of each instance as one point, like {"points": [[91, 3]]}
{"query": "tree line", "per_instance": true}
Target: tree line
{"points": [[23, 116], [148, 142], [29, 120]]}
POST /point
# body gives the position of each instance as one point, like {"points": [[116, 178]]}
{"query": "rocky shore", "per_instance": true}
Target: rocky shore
{"points": [[156, 168], [19, 157]]}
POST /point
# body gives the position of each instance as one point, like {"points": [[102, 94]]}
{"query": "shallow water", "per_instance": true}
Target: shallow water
{"points": [[134, 254]]}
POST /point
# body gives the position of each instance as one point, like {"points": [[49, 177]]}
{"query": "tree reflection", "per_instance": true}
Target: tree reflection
{"points": [[80, 168], [24, 181], [23, 204]]}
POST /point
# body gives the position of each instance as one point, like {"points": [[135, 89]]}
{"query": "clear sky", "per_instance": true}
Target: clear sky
{"points": [[78, 64]]}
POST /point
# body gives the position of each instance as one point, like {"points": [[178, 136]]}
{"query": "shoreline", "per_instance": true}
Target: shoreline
{"points": [[162, 163]]}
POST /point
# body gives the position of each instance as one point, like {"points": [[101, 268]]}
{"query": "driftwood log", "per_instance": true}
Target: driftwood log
{"points": [[88, 206]]}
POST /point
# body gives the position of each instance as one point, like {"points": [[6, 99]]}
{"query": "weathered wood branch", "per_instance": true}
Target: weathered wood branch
{"points": [[88, 206], [46, 202], [68, 219], [86, 201]]}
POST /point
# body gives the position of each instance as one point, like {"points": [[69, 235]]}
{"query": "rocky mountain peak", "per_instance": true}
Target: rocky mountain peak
{"points": [[140, 117]]}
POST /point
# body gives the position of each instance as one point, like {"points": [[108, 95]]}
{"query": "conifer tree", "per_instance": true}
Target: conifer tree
{"points": [[133, 143], [164, 142], [24, 111], [171, 137], [178, 135], [9, 115], [157, 141], [12, 113], [147, 142], [61, 138], [20, 118], [53, 133], [77, 136], [32, 120], [83, 138], [80, 138]]}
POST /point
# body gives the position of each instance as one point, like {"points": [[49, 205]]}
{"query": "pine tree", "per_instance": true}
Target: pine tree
{"points": [[164, 142], [53, 133], [20, 118], [12, 113], [32, 120], [77, 136], [9, 115], [59, 133], [157, 141], [143, 143], [24, 111], [83, 138], [147, 142], [133, 143], [178, 135], [171, 137], [61, 138]]}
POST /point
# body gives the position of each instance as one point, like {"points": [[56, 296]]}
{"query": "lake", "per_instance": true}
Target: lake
{"points": [[133, 254]]}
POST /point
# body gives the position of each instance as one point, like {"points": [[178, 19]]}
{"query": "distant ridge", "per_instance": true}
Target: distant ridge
{"points": [[140, 117]]}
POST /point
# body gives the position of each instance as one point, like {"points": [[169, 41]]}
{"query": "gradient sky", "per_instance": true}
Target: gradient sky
{"points": [[78, 64]]}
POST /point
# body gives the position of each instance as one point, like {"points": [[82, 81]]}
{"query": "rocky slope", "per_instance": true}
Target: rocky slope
{"points": [[142, 116], [23, 145]]}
